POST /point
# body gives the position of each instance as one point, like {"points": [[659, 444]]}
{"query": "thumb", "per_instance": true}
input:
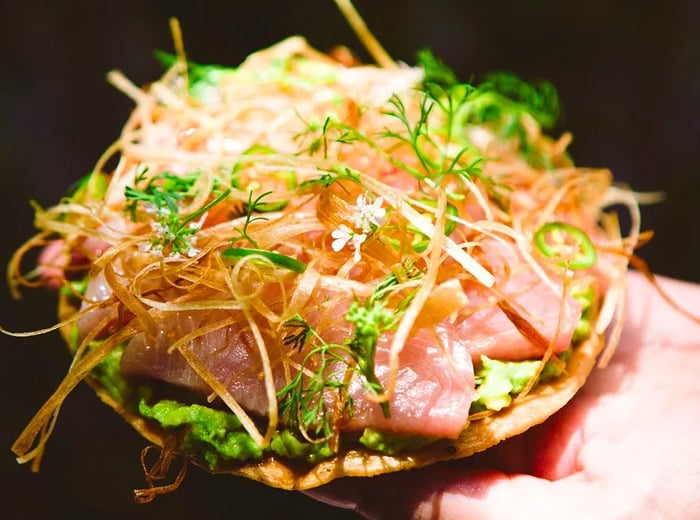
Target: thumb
{"points": [[448, 492]]}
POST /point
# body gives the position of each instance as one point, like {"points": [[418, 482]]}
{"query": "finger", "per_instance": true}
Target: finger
{"points": [[654, 315]]}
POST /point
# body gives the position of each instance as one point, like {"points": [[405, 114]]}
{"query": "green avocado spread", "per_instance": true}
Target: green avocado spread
{"points": [[497, 381], [392, 443], [216, 435]]}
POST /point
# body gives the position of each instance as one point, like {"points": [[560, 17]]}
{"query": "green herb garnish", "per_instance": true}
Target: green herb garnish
{"points": [[253, 206], [306, 402], [500, 102], [371, 319], [160, 198]]}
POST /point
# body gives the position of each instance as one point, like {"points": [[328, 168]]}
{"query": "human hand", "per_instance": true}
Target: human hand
{"points": [[627, 446]]}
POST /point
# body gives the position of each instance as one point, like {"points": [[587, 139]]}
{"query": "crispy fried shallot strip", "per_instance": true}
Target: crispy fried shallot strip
{"points": [[23, 446]]}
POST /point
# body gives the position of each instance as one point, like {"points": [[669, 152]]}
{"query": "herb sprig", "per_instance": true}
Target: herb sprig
{"points": [[160, 198], [501, 102], [374, 317], [430, 143], [303, 402], [253, 208]]}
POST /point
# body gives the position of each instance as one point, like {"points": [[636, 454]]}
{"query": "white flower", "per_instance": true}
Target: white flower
{"points": [[145, 247], [150, 209], [343, 235], [366, 215], [163, 232], [357, 240], [197, 224], [192, 252], [161, 212]]}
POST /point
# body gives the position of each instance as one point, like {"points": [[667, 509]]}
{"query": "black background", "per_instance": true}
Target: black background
{"points": [[628, 74]]}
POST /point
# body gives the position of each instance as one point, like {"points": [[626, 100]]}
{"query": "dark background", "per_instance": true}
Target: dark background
{"points": [[628, 73]]}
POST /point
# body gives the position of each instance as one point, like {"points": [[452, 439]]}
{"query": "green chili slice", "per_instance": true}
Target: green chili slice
{"points": [[287, 262], [563, 241]]}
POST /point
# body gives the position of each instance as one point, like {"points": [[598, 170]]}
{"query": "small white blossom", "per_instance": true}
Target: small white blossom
{"points": [[197, 224], [192, 252], [150, 209], [364, 218], [366, 215], [190, 241], [163, 232], [343, 235], [357, 240], [152, 247], [162, 212]]}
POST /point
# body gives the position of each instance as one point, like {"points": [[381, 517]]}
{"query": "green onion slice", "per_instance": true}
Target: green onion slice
{"points": [[287, 262], [568, 243]]}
